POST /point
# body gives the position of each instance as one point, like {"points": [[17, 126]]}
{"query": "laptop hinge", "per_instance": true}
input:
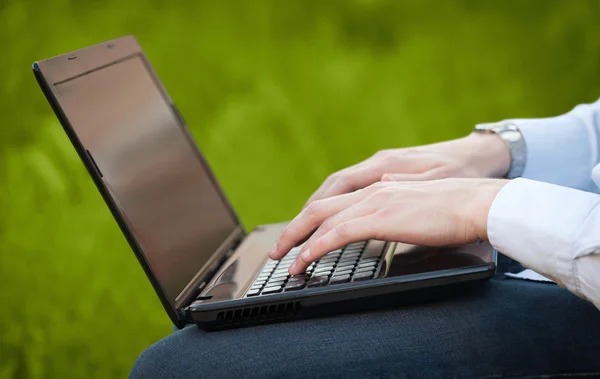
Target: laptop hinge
{"points": [[198, 284], [184, 312]]}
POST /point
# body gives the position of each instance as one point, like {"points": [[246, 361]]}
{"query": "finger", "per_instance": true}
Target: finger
{"points": [[317, 194], [309, 220], [358, 229], [351, 179], [362, 208], [332, 181]]}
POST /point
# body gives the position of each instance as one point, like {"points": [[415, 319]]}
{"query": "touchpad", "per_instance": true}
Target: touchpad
{"points": [[410, 259]]}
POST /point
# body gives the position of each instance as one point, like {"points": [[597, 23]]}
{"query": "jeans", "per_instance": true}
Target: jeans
{"points": [[504, 328]]}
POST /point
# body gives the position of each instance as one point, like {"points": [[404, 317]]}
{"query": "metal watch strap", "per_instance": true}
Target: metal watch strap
{"points": [[512, 137]]}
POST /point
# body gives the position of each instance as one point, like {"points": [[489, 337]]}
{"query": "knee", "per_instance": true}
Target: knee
{"points": [[164, 359], [148, 364], [175, 356]]}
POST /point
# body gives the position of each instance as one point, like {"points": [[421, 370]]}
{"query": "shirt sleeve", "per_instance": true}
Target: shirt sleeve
{"points": [[550, 229], [563, 150]]}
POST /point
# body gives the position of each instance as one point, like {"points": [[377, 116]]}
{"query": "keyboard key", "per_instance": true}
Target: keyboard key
{"points": [[281, 271], [273, 289], [345, 261], [340, 279], [324, 266], [365, 269], [278, 274], [342, 273], [299, 278], [358, 276], [266, 272], [362, 264], [263, 276], [352, 249], [328, 260], [326, 271], [318, 281], [357, 244], [293, 286], [345, 266], [253, 292], [272, 283], [370, 259], [257, 286], [278, 279], [259, 280]]}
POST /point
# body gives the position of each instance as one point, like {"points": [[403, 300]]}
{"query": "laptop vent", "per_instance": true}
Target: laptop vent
{"points": [[258, 315]]}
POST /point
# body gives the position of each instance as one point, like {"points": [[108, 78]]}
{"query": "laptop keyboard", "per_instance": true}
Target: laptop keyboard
{"points": [[339, 266]]}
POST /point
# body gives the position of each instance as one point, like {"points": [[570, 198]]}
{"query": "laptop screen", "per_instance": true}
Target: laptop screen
{"points": [[153, 171]]}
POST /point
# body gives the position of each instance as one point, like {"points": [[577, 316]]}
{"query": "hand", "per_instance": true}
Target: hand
{"points": [[475, 156], [435, 213]]}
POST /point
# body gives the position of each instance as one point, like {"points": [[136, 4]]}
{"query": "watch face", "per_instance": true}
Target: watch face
{"points": [[511, 135]]}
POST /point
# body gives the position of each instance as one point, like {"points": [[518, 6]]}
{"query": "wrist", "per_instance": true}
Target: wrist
{"points": [[487, 153], [485, 194]]}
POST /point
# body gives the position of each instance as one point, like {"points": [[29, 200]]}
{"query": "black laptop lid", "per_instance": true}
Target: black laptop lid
{"points": [[156, 177]]}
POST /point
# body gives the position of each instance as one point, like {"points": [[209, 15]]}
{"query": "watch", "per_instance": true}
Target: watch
{"points": [[512, 137]]}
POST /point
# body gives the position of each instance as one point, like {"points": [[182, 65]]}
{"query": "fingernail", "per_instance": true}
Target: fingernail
{"points": [[292, 268], [273, 250], [305, 255]]}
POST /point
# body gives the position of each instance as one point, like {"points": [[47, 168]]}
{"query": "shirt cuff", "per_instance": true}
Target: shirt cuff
{"points": [[551, 143], [539, 224]]}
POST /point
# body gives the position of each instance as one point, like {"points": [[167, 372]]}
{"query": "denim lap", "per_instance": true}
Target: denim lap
{"points": [[503, 328]]}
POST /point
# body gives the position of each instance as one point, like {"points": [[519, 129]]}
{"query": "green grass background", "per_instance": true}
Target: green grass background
{"points": [[278, 94]]}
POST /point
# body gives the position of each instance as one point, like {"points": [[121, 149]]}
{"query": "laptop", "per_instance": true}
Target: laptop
{"points": [[204, 266]]}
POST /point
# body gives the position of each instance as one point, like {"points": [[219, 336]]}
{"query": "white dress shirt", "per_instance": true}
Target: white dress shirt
{"points": [[549, 220]]}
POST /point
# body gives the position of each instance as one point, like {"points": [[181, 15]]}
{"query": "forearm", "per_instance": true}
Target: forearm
{"points": [[488, 154]]}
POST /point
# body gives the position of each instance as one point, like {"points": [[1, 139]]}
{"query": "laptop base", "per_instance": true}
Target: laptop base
{"points": [[349, 298]]}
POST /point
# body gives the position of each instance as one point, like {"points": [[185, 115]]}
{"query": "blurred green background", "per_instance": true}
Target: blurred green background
{"points": [[278, 94]]}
